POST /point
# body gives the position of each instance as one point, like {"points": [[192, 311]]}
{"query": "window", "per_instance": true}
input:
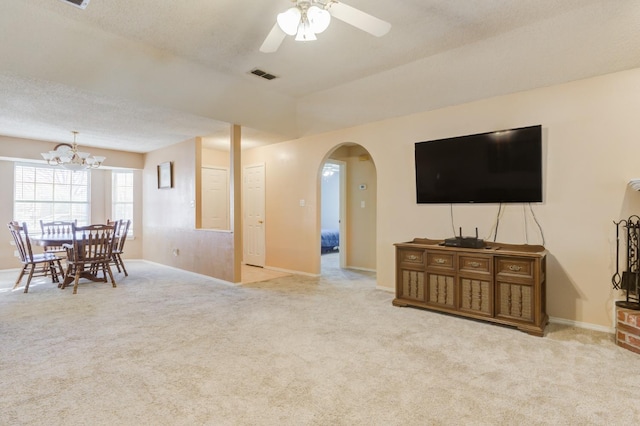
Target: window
{"points": [[50, 193], [122, 196]]}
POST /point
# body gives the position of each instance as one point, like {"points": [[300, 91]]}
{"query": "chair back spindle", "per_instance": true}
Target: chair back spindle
{"points": [[56, 228]]}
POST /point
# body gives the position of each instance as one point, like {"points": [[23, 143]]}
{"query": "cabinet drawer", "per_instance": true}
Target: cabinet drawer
{"points": [[440, 260], [515, 267], [474, 264], [412, 257]]}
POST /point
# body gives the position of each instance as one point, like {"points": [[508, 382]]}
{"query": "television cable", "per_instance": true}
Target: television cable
{"points": [[537, 223]]}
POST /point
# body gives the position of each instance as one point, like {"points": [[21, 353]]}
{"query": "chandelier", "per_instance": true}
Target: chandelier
{"points": [[305, 20], [68, 157]]}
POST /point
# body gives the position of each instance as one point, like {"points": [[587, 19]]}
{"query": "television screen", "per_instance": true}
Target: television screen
{"points": [[496, 167]]}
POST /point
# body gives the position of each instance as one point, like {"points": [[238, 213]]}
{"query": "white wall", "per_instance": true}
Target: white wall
{"points": [[330, 216]]}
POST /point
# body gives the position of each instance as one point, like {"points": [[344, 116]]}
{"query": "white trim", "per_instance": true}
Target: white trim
{"points": [[216, 280], [357, 268], [387, 289], [291, 271], [584, 325]]}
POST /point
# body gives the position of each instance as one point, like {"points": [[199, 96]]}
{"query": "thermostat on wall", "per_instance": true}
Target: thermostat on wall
{"points": [[362, 186]]}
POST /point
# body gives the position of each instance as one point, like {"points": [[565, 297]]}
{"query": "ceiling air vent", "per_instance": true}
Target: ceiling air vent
{"points": [[262, 74], [82, 4]]}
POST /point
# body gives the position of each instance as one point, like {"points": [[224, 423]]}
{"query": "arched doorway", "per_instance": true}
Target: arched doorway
{"points": [[348, 169]]}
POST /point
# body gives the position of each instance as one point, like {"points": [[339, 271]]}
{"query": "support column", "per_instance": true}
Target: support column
{"points": [[236, 201]]}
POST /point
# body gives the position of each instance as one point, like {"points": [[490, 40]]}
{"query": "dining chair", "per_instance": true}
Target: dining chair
{"points": [[89, 253], [29, 260], [118, 247], [56, 228]]}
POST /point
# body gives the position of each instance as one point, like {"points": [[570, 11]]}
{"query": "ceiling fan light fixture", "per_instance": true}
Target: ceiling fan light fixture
{"points": [[310, 17], [305, 33], [319, 19], [289, 20]]}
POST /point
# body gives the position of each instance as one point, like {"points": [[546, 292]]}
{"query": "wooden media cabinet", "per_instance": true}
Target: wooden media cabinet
{"points": [[500, 283]]}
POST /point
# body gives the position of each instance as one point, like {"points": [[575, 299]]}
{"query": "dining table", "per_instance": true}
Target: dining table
{"points": [[52, 239], [58, 240]]}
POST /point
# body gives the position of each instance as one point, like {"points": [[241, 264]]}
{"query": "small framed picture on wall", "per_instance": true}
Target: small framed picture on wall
{"points": [[165, 175]]}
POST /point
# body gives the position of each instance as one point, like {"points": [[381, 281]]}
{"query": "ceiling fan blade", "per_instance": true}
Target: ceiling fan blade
{"points": [[273, 40], [359, 19]]}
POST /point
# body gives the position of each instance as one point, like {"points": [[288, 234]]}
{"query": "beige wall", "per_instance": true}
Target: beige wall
{"points": [[591, 149], [169, 219], [7, 258], [215, 158], [292, 176], [30, 149]]}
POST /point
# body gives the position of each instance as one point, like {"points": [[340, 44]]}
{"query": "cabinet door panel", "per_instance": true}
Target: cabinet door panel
{"points": [[515, 301], [476, 296], [441, 290], [412, 285]]}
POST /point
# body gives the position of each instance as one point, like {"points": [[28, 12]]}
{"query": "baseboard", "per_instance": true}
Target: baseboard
{"points": [[216, 280], [387, 289], [585, 325], [290, 271], [357, 268]]}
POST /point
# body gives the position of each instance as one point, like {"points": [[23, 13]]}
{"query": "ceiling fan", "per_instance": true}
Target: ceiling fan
{"points": [[310, 17]]}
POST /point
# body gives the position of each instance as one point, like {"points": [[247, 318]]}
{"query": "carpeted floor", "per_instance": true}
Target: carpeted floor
{"points": [[172, 348]]}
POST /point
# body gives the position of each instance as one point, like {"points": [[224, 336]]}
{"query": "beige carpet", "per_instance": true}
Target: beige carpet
{"points": [[171, 348]]}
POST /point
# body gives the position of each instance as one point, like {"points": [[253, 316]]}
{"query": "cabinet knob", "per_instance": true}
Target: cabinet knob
{"points": [[412, 257], [439, 260], [515, 268], [474, 264]]}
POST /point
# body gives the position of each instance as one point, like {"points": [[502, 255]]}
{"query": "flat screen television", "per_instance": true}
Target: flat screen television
{"points": [[495, 167]]}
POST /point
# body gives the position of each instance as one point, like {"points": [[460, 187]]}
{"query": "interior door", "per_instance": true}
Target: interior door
{"points": [[254, 220], [215, 198]]}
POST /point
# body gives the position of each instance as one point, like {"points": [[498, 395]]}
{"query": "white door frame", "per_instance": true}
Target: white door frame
{"points": [[343, 213]]}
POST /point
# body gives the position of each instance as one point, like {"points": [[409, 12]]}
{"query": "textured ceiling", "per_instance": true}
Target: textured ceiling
{"points": [[138, 75]]}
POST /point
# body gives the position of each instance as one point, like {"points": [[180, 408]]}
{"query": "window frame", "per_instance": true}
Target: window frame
{"points": [[60, 178], [115, 186]]}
